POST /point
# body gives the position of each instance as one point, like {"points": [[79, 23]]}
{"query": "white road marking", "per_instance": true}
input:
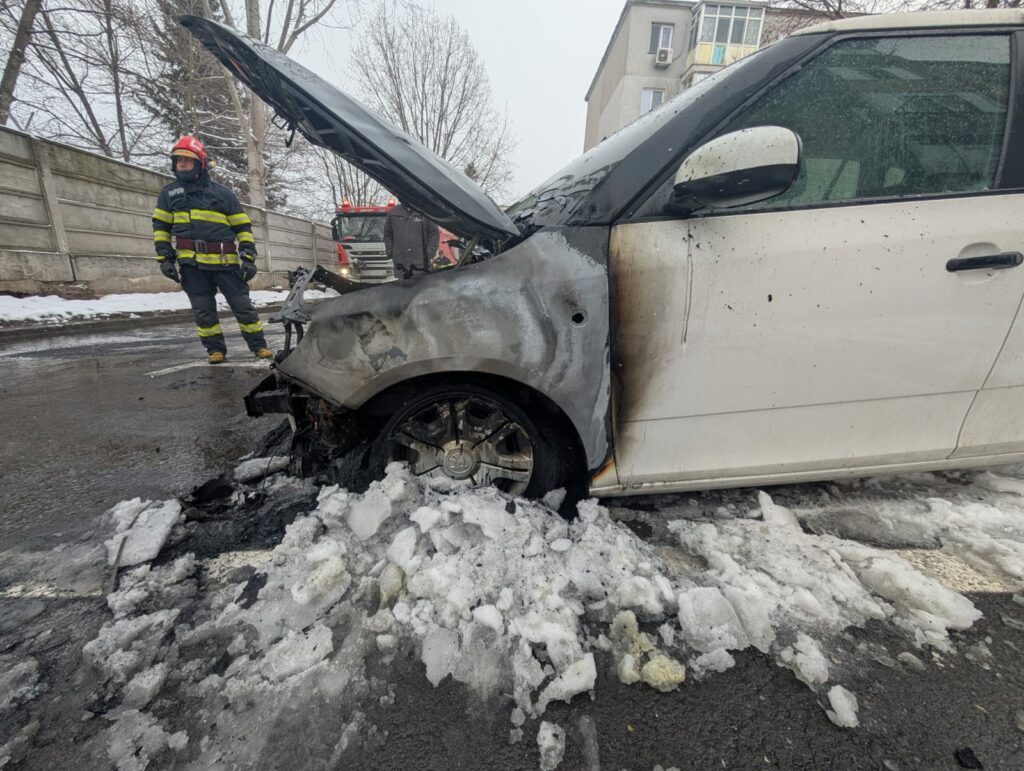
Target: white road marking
{"points": [[226, 365]]}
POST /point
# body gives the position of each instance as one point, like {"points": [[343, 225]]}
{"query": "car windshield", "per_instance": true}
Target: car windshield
{"points": [[361, 227], [565, 189]]}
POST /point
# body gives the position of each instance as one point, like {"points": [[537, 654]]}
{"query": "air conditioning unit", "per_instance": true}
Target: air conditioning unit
{"points": [[663, 58]]}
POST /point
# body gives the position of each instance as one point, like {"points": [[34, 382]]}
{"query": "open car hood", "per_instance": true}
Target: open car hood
{"points": [[331, 119]]}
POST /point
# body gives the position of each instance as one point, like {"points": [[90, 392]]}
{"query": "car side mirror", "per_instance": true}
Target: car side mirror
{"points": [[334, 230], [738, 168]]}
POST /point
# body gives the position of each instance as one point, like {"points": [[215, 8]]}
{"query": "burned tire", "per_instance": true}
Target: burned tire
{"points": [[477, 434]]}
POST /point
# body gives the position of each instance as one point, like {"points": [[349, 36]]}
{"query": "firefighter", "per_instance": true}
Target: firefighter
{"points": [[195, 225]]}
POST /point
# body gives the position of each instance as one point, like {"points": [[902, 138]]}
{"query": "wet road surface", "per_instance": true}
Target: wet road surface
{"points": [[89, 420], [85, 424]]}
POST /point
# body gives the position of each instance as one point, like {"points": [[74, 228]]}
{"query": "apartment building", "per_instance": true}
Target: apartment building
{"points": [[661, 47]]}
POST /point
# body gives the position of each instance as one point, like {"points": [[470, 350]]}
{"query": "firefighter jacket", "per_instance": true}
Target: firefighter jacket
{"points": [[410, 240], [197, 223]]}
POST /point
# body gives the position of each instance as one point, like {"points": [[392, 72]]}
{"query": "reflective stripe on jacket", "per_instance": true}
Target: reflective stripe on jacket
{"points": [[204, 212]]}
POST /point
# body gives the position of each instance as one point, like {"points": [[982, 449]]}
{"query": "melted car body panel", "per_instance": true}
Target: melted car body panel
{"points": [[537, 314]]}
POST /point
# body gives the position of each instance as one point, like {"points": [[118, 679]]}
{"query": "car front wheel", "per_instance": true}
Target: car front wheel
{"points": [[473, 434]]}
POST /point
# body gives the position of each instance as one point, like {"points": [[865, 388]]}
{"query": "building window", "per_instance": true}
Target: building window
{"points": [[661, 36], [651, 98], [728, 25]]}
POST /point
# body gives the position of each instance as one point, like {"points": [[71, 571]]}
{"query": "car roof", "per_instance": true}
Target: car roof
{"points": [[921, 19]]}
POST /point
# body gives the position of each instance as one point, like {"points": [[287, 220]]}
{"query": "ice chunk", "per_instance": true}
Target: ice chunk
{"points": [[297, 652], [844, 707], [555, 498], [805, 658], [427, 517], [556, 530], [124, 514], [142, 688], [751, 606], [527, 674], [489, 616], [662, 673], [561, 544], [257, 468], [562, 644], [716, 661], [709, 621], [1000, 484], [328, 579], [640, 593], [774, 514], [19, 681], [518, 717], [932, 605], [578, 677], [136, 737], [403, 548], [489, 515], [143, 540], [367, 514], [911, 661], [551, 743], [628, 669], [391, 581], [668, 634], [128, 645], [440, 652]]}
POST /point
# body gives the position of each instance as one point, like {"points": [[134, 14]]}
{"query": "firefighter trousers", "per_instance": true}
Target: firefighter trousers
{"points": [[201, 287]]}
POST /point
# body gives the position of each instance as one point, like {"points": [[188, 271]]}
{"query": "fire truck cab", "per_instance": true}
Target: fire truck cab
{"points": [[358, 232]]}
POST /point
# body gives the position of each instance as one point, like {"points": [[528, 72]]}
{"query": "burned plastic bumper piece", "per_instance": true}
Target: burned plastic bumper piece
{"points": [[272, 396]]}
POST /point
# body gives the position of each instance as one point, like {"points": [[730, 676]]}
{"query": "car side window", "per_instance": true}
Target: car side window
{"points": [[892, 117]]}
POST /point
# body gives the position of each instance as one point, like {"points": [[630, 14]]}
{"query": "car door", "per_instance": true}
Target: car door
{"points": [[823, 329]]}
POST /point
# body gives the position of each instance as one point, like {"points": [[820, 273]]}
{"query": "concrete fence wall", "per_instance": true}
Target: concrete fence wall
{"points": [[70, 217]]}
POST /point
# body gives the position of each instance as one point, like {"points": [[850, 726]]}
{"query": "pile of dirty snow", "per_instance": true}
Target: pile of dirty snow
{"points": [[502, 595]]}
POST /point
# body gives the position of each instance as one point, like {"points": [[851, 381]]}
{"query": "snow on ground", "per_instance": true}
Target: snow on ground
{"points": [[52, 309], [504, 596]]}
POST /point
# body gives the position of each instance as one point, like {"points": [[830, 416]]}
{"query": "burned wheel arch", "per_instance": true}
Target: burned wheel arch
{"points": [[511, 320]]}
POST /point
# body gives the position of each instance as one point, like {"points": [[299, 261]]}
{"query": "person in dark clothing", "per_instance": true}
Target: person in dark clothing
{"points": [[411, 241], [196, 223]]}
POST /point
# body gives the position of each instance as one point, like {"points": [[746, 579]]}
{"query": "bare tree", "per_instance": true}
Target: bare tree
{"points": [[282, 30], [17, 57], [78, 68], [420, 71], [318, 180]]}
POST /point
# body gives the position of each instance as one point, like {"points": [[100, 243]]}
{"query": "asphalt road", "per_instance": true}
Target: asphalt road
{"points": [[90, 420]]}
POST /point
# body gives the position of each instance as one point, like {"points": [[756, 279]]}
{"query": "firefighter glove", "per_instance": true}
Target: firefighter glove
{"points": [[248, 269], [169, 269]]}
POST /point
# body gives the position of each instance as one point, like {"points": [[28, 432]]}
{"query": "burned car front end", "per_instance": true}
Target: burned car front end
{"points": [[537, 318]]}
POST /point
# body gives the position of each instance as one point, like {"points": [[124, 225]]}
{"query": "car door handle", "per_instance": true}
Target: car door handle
{"points": [[999, 261]]}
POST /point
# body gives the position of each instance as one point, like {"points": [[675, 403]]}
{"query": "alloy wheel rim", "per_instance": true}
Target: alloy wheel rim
{"points": [[465, 438]]}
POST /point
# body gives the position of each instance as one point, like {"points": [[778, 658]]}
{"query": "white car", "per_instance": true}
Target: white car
{"points": [[804, 267]]}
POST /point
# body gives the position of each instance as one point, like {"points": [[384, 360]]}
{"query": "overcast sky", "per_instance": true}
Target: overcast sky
{"points": [[540, 55]]}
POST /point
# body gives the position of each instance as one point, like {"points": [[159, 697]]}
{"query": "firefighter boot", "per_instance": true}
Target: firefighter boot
{"points": [[264, 353], [215, 357]]}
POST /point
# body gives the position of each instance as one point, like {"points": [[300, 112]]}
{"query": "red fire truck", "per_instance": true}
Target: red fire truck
{"points": [[359, 234]]}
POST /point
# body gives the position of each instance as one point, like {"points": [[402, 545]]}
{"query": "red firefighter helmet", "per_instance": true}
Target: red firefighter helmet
{"points": [[189, 147]]}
